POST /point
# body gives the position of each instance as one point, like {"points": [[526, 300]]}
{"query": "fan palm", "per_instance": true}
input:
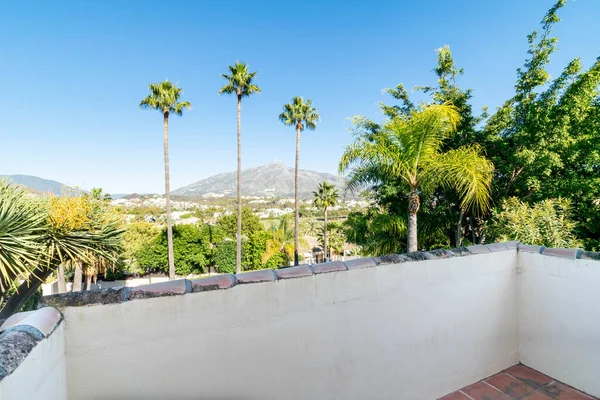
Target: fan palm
{"points": [[408, 148], [300, 115], [325, 196], [239, 82], [164, 97]]}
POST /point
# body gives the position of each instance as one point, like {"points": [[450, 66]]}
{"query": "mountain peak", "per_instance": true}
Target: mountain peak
{"points": [[274, 179]]}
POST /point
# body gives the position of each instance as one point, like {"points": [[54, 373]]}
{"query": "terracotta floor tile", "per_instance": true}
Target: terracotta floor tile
{"points": [[530, 376], [563, 392], [509, 385], [538, 396], [483, 391], [455, 396]]}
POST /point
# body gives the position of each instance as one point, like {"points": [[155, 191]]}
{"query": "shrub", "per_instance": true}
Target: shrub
{"points": [[546, 223], [278, 260]]}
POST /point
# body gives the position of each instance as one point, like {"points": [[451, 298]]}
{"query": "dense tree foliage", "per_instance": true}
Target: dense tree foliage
{"points": [[192, 249], [544, 143]]}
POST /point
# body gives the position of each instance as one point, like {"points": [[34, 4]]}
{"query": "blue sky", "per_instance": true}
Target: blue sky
{"points": [[74, 72]]}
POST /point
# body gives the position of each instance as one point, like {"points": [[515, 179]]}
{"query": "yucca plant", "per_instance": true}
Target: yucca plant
{"points": [[21, 227], [34, 242]]}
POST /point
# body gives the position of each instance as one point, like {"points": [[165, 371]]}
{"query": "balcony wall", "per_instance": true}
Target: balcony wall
{"points": [[559, 318], [413, 330], [32, 357], [413, 326]]}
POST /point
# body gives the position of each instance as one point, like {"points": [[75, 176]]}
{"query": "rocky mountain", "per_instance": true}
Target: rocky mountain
{"points": [[39, 185], [272, 180]]}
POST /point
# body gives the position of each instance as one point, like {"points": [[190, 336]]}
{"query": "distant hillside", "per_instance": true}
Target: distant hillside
{"points": [[273, 180], [39, 185]]}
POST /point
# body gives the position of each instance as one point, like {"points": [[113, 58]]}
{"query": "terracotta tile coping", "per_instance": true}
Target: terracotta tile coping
{"points": [[21, 332]]}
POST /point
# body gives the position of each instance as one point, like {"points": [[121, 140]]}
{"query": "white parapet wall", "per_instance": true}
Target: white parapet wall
{"points": [[559, 318], [41, 375], [414, 330]]}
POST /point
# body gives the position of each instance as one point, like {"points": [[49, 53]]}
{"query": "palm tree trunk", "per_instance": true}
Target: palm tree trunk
{"points": [[296, 196], [238, 248], [77, 277], [458, 233], [168, 198], [24, 292], [413, 207], [62, 283], [325, 236]]}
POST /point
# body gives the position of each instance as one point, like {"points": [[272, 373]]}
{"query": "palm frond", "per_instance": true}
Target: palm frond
{"points": [[300, 114], [164, 97], [239, 81], [469, 172]]}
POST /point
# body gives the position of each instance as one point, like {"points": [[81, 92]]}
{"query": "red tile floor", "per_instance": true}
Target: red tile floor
{"points": [[518, 382]]}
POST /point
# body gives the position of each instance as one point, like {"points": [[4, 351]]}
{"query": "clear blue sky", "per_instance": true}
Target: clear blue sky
{"points": [[74, 72]]}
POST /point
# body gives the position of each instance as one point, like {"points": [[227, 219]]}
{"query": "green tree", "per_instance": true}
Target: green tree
{"points": [[545, 139], [254, 248], [300, 115], [281, 240], [324, 197], [192, 251], [337, 238], [546, 223], [239, 82], [137, 235], [250, 224], [408, 148], [98, 194], [376, 231], [164, 97]]}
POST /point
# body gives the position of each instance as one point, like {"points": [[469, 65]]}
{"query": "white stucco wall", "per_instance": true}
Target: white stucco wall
{"points": [[559, 318], [409, 331], [41, 376]]}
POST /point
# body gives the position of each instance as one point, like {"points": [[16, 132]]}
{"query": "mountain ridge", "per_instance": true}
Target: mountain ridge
{"points": [[39, 185], [274, 179]]}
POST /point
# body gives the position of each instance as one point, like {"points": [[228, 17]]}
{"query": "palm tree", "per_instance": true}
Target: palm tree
{"points": [[408, 149], [164, 97], [300, 115], [325, 196], [240, 84]]}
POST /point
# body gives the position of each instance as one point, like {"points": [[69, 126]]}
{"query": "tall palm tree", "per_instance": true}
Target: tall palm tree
{"points": [[325, 196], [239, 82], [164, 97], [408, 148], [300, 115]]}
